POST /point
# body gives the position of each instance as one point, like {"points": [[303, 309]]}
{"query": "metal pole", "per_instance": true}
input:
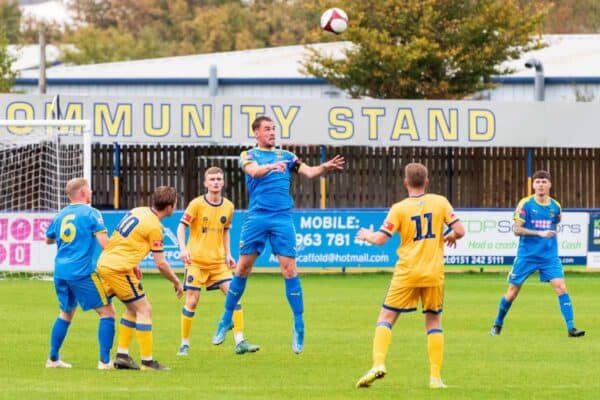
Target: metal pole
{"points": [[539, 90], [42, 66], [213, 81], [116, 174], [322, 181]]}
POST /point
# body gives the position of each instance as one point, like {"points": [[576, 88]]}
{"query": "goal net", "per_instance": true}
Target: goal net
{"points": [[37, 159]]}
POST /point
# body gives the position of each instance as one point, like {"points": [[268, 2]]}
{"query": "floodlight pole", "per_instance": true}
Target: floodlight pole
{"points": [[539, 91]]}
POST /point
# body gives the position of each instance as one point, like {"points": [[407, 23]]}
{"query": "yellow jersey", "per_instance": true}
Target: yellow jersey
{"points": [[207, 223], [420, 223], [138, 233]]}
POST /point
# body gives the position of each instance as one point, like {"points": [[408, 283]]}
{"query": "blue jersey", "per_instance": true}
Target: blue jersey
{"points": [[538, 217], [74, 229], [270, 192]]}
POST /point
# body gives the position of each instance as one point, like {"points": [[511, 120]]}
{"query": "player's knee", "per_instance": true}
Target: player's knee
{"points": [[191, 303], [106, 311], [67, 316]]}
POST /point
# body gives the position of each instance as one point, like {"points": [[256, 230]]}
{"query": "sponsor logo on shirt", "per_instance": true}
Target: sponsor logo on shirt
{"points": [[388, 226]]}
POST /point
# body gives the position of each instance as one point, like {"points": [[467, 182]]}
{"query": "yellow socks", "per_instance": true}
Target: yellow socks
{"points": [[381, 342], [435, 350]]}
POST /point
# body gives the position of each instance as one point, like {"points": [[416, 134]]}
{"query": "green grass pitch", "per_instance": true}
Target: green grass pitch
{"points": [[533, 359]]}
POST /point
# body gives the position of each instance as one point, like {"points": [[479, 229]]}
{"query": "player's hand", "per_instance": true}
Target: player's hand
{"points": [[450, 240], [547, 234], [185, 256], [364, 233], [137, 271], [336, 163], [230, 262], [178, 289]]}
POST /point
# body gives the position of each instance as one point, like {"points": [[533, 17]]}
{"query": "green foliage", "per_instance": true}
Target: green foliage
{"points": [[427, 49], [532, 359], [10, 19], [7, 76]]}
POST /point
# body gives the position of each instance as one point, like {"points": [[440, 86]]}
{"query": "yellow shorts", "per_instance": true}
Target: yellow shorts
{"points": [[211, 278], [122, 284], [405, 299]]}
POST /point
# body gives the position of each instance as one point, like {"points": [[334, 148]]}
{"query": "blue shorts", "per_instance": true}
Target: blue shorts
{"points": [[523, 267], [86, 291], [277, 228]]}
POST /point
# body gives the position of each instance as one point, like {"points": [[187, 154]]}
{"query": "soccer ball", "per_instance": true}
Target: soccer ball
{"points": [[334, 20]]}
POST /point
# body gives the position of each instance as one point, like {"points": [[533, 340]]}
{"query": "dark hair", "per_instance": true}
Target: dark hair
{"points": [[259, 120], [541, 174], [163, 197], [416, 175]]}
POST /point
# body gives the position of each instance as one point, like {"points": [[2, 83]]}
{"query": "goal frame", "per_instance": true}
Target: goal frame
{"points": [[85, 124]]}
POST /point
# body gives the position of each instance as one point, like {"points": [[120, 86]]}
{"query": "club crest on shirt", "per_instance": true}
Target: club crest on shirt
{"points": [[223, 219]]}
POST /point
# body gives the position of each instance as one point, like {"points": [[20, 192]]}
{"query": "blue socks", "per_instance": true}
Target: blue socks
{"points": [[234, 294], [57, 337], [503, 308], [293, 292], [106, 334], [566, 308]]}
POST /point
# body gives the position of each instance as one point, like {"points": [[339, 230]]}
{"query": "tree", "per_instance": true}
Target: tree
{"points": [[428, 49], [10, 20], [7, 75]]}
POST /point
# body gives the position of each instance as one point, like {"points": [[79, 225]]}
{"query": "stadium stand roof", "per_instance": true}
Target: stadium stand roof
{"points": [[279, 63], [572, 57], [568, 58]]}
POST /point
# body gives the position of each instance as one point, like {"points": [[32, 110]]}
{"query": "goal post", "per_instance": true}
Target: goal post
{"points": [[37, 158]]}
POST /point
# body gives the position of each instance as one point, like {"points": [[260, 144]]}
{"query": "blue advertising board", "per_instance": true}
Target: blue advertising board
{"points": [[327, 239]]}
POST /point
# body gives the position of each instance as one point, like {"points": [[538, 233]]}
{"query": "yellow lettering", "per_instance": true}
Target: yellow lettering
{"points": [[252, 112], [405, 125], [121, 121], [165, 120], [437, 119], [227, 121], [478, 117], [285, 120], [191, 114], [20, 111], [373, 114], [342, 128], [72, 111]]}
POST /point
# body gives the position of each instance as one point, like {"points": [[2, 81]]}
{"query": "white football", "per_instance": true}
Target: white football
{"points": [[334, 20]]}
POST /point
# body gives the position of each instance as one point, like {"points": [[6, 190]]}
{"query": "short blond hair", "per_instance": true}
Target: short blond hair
{"points": [[416, 175], [75, 185], [213, 171]]}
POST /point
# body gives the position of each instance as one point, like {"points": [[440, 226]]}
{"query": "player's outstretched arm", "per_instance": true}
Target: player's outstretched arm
{"points": [[377, 238], [335, 164], [165, 270]]}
